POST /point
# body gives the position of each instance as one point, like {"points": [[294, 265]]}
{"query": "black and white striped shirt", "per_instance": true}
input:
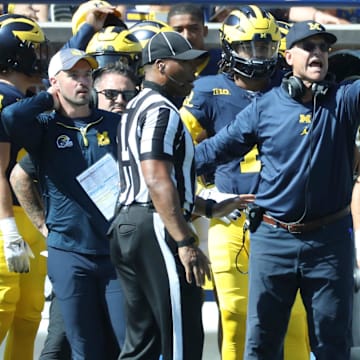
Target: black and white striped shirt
{"points": [[151, 128]]}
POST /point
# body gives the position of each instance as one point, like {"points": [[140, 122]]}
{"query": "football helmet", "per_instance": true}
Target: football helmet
{"points": [[113, 44], [80, 14], [23, 46], [146, 29], [250, 40], [284, 29]]}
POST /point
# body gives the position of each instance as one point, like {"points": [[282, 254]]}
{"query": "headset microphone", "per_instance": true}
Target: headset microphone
{"points": [[179, 83]]}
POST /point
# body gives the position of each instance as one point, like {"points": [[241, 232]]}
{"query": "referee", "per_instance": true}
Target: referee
{"points": [[152, 245]]}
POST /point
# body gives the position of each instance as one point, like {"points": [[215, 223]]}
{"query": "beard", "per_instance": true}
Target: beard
{"points": [[78, 99]]}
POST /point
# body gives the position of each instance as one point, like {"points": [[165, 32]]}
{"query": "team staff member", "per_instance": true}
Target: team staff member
{"points": [[303, 240], [64, 143], [248, 70], [114, 86], [152, 245], [22, 296], [22, 290], [117, 84]]}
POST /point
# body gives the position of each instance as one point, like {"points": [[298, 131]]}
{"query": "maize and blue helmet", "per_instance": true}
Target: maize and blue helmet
{"points": [[144, 30], [79, 17], [23, 47], [250, 40], [284, 29], [113, 44]]}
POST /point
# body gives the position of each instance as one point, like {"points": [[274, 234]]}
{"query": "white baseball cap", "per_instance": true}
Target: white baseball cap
{"points": [[66, 58]]}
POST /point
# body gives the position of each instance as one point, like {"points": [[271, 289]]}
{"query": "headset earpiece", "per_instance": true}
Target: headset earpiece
{"points": [[93, 95], [93, 99], [296, 88]]}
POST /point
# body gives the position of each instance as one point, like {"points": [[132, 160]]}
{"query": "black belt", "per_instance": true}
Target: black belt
{"points": [[149, 205], [307, 226], [124, 208]]}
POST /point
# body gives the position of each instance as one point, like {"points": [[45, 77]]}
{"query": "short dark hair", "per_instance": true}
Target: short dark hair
{"points": [[117, 67], [186, 8]]}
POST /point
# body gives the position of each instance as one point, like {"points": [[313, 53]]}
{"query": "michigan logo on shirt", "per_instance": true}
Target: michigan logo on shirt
{"points": [[103, 138], [305, 119]]}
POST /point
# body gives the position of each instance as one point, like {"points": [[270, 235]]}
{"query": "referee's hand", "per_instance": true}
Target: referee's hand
{"points": [[196, 264]]}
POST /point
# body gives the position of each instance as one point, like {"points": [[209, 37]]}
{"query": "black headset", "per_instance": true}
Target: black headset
{"points": [[296, 88], [93, 99], [94, 96]]}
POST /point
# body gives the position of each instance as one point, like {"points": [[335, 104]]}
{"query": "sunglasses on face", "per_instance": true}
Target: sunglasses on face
{"points": [[112, 94], [311, 46]]}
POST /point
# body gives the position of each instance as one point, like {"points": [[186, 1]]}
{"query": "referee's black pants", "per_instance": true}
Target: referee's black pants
{"points": [[163, 311]]}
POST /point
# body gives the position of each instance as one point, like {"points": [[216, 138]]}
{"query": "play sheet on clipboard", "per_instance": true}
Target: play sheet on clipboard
{"points": [[101, 182]]}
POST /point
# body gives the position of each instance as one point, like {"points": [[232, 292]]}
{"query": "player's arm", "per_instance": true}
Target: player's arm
{"points": [[16, 250], [6, 210], [28, 196], [197, 132], [191, 115], [94, 21]]}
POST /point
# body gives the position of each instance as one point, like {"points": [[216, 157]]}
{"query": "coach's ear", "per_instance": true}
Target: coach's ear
{"points": [[289, 57], [54, 82]]}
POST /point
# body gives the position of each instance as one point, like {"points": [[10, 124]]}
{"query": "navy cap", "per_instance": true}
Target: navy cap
{"points": [[169, 45], [305, 29]]}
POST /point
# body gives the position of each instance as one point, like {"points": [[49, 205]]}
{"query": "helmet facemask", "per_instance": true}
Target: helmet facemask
{"points": [[250, 40], [41, 63], [106, 57], [251, 59]]}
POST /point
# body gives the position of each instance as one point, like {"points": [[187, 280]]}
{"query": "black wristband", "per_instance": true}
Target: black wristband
{"points": [[188, 241], [209, 208]]}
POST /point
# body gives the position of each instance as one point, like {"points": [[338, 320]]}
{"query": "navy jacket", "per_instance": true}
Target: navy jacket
{"points": [[306, 150], [63, 148]]}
